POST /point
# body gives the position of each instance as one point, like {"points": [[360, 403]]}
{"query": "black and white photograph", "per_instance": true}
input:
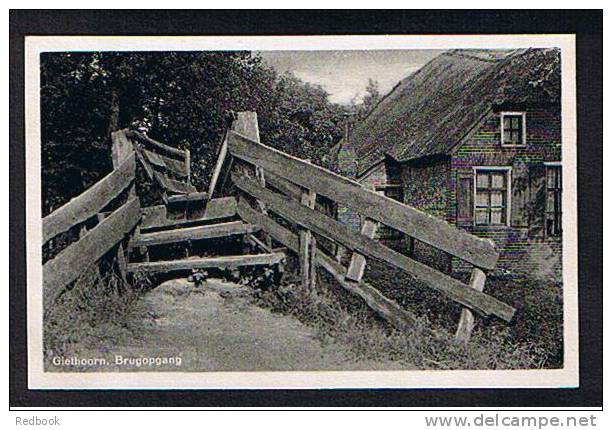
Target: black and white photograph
{"points": [[305, 211]]}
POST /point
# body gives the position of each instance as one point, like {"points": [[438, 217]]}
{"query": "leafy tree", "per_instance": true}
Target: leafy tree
{"points": [[180, 98], [370, 99]]}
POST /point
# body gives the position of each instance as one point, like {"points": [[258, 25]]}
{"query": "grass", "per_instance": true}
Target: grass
{"points": [[103, 310], [96, 310], [532, 341]]}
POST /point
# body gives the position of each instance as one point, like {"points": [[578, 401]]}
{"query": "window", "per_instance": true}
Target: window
{"points": [[492, 192], [553, 200], [513, 128]]}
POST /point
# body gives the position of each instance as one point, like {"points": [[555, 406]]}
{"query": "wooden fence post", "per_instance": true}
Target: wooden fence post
{"points": [[121, 149], [358, 262], [188, 165], [466, 323], [308, 246]]}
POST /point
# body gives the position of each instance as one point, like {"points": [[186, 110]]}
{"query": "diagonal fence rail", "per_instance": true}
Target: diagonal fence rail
{"points": [[108, 233]]}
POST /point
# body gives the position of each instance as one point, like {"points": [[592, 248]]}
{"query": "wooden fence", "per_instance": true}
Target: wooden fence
{"points": [[109, 231], [166, 166], [288, 187]]}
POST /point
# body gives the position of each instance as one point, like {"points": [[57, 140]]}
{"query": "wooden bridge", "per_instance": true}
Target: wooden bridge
{"points": [[276, 202]]}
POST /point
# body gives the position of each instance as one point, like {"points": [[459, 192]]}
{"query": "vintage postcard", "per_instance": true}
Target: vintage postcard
{"points": [[302, 212]]}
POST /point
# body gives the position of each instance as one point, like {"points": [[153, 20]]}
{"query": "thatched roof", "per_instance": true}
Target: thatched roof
{"points": [[429, 112]]}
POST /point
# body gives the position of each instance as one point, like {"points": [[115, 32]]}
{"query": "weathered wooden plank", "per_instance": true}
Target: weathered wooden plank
{"points": [[216, 209], [279, 233], [466, 323], [194, 233], [146, 166], [69, 264], [358, 261], [91, 201], [386, 308], [146, 139], [383, 306], [258, 243], [188, 164], [174, 186], [205, 263], [218, 166], [424, 227], [307, 242], [154, 158], [154, 216], [191, 197], [247, 125], [122, 263], [332, 229], [121, 147], [174, 166], [286, 187], [220, 208]]}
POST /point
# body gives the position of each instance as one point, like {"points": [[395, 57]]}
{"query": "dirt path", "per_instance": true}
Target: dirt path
{"points": [[217, 327]]}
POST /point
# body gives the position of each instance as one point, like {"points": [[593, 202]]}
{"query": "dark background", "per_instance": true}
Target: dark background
{"points": [[588, 27]]}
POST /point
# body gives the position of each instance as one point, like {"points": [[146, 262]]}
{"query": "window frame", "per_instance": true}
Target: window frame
{"points": [[508, 171], [557, 165], [523, 131]]}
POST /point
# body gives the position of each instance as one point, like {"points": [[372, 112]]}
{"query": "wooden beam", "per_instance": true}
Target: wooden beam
{"points": [[170, 184], [221, 207], [69, 264], [286, 187], [383, 306], [308, 199], [191, 197], [188, 164], [334, 230], [146, 166], [424, 227], [216, 209], [279, 233], [205, 263], [154, 216], [92, 201], [386, 308], [258, 243], [466, 323], [162, 146], [121, 147], [247, 125], [194, 233], [218, 166], [358, 261], [175, 167]]}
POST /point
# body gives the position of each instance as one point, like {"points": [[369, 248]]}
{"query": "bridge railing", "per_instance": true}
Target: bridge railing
{"points": [[288, 187], [99, 230], [168, 167]]}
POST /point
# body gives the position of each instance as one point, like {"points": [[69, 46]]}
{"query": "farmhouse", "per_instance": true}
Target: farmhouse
{"points": [[474, 138]]}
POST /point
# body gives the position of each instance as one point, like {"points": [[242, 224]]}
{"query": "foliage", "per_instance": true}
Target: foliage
{"points": [[180, 98]]}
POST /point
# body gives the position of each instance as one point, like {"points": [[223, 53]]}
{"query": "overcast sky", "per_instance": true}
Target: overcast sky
{"points": [[344, 74]]}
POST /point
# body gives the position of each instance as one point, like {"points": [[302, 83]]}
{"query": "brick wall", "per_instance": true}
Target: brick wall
{"points": [[523, 246]]}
